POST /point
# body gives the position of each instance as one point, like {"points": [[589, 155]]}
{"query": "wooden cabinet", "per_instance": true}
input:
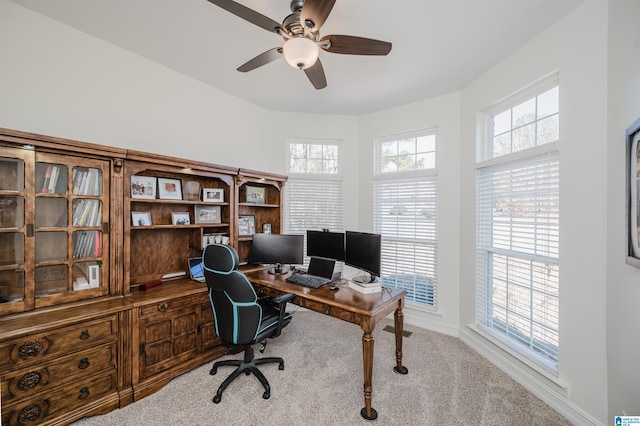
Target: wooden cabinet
{"points": [[54, 216], [84, 229], [172, 334], [162, 244], [259, 196], [58, 366]]}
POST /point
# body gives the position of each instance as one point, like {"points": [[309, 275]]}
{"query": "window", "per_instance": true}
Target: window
{"points": [[518, 224], [405, 209], [313, 192]]}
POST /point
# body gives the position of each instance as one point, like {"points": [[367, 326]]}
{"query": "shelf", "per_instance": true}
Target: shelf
{"points": [[188, 202], [269, 206], [192, 226]]}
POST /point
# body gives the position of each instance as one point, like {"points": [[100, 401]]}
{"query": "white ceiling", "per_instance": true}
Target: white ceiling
{"points": [[439, 46]]}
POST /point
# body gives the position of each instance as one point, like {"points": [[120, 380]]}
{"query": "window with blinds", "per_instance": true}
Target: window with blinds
{"points": [[405, 214], [313, 193], [518, 209]]}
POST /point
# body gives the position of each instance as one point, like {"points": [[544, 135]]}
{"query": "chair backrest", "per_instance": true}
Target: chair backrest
{"points": [[236, 311]]}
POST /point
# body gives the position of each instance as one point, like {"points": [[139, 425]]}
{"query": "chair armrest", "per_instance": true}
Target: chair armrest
{"points": [[283, 298], [281, 301]]}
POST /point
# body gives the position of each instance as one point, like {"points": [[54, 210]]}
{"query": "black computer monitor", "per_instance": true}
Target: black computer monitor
{"points": [[278, 249], [325, 244], [364, 251]]}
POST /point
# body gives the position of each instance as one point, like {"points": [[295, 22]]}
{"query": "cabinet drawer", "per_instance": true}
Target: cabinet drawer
{"points": [[40, 409], [85, 364], [327, 310], [168, 306], [41, 346]]}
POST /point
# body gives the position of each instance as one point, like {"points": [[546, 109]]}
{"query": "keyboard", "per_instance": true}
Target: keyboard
{"points": [[307, 280]]}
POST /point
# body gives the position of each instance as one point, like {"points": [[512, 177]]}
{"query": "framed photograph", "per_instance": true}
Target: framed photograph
{"points": [[180, 218], [207, 214], [246, 225], [255, 195], [633, 189], [141, 219], [212, 195], [143, 187], [169, 189], [266, 228]]}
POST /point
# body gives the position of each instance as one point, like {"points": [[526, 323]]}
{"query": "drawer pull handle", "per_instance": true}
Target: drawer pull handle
{"points": [[30, 349], [84, 334], [84, 393], [29, 380], [326, 309], [163, 307], [84, 363], [29, 414]]}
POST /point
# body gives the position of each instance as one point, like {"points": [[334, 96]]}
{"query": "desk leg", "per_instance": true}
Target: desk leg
{"points": [[399, 325], [367, 352]]}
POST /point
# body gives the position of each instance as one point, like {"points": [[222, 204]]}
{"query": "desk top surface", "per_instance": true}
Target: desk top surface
{"points": [[345, 297]]}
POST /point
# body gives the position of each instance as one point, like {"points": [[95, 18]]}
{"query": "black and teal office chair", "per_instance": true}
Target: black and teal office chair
{"points": [[241, 319]]}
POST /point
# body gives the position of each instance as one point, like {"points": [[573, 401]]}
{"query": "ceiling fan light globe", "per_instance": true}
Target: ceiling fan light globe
{"points": [[300, 52]]}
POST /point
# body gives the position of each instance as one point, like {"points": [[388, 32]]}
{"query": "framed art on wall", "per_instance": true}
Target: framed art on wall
{"points": [[633, 189], [169, 189]]}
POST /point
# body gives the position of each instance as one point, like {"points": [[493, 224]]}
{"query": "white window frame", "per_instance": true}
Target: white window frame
{"points": [[419, 258], [330, 214], [545, 158]]}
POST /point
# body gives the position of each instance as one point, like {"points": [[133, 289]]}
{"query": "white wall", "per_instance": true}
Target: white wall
{"points": [[575, 47], [442, 113], [623, 293]]}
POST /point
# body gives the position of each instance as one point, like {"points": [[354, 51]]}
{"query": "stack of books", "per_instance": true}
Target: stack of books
{"points": [[366, 288]]}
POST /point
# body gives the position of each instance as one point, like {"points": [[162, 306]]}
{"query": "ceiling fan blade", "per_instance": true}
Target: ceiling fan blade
{"points": [[262, 59], [315, 73], [315, 12], [248, 14], [352, 45]]}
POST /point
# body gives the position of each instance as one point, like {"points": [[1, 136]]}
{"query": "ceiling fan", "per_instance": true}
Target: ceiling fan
{"points": [[302, 41]]}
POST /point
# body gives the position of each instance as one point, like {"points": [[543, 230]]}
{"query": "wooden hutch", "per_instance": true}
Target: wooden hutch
{"points": [[84, 326]]}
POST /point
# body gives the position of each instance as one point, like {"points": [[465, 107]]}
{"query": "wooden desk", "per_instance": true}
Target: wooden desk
{"points": [[348, 305]]}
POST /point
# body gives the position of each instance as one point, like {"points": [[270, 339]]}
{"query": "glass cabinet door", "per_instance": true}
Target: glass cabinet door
{"points": [[13, 204]]}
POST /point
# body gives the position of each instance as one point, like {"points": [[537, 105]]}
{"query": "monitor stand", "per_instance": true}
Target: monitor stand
{"points": [[278, 270], [365, 279]]}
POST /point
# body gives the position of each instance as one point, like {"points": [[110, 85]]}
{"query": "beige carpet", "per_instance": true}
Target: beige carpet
{"points": [[447, 384]]}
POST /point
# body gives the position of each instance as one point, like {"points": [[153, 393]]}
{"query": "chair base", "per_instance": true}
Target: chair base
{"points": [[247, 366]]}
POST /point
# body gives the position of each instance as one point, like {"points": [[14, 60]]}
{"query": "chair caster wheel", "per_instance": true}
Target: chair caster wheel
{"points": [[217, 399], [213, 371], [281, 366], [246, 373], [266, 395]]}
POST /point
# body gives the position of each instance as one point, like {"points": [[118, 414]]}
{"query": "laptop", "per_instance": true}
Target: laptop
{"points": [[321, 267], [196, 269]]}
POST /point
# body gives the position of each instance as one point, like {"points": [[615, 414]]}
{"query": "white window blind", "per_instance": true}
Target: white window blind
{"points": [[405, 214], [313, 204], [518, 227]]}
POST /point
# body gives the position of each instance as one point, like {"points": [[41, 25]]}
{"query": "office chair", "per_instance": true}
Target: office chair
{"points": [[241, 319]]}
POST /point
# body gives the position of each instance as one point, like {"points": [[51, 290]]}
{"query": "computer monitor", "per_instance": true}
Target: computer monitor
{"points": [[278, 249], [325, 244], [364, 251]]}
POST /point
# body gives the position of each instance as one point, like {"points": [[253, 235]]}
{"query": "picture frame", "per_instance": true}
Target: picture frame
{"points": [[632, 158], [141, 219], [143, 187], [255, 195], [212, 195], [169, 189], [246, 225], [180, 218], [266, 228], [207, 214]]}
